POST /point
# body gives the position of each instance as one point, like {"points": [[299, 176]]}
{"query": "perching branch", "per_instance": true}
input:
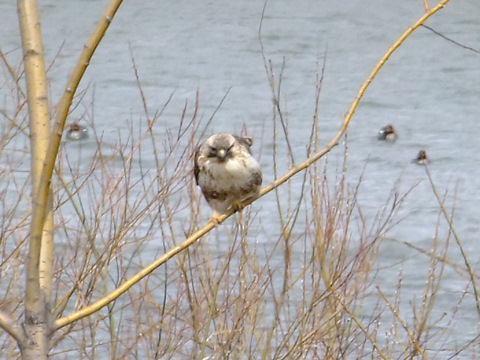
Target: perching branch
{"points": [[197, 235]]}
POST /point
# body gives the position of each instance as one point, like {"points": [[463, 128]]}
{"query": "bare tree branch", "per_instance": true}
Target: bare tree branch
{"points": [[451, 40], [12, 327]]}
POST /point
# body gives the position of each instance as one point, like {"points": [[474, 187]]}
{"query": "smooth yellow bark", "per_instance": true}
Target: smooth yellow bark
{"points": [[39, 261]]}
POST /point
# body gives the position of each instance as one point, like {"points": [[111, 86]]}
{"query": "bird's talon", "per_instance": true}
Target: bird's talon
{"points": [[237, 206], [215, 219]]}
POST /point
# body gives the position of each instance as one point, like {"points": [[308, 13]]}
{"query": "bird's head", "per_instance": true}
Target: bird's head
{"points": [[389, 129], [221, 146]]}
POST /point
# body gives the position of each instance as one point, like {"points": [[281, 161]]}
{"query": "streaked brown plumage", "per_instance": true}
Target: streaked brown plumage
{"points": [[226, 171]]}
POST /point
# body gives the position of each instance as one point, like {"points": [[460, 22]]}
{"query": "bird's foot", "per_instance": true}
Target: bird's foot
{"points": [[237, 205], [215, 218]]}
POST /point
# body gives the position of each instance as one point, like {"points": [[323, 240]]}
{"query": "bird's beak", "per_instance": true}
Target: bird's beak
{"points": [[221, 154]]}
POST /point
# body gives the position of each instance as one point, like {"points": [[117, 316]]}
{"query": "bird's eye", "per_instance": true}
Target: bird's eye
{"points": [[212, 152]]}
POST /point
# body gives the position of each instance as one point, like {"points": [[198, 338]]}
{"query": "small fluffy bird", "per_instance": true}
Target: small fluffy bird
{"points": [[227, 172], [76, 132], [387, 133], [421, 158]]}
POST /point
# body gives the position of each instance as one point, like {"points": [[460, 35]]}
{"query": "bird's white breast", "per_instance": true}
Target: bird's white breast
{"points": [[234, 171]]}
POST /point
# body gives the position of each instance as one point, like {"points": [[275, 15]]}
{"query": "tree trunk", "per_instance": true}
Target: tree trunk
{"points": [[37, 323]]}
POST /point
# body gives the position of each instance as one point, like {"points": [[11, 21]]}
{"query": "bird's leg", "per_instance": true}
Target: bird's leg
{"points": [[237, 205]]}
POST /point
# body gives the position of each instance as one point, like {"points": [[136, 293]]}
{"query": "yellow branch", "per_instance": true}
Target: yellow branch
{"points": [[59, 323], [356, 101], [81, 67], [71, 88], [44, 144], [37, 99], [48, 162]]}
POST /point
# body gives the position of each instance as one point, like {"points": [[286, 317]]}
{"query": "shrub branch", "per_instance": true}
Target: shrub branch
{"points": [[64, 321]]}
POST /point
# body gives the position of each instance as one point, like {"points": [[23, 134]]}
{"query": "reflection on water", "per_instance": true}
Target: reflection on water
{"points": [[428, 90]]}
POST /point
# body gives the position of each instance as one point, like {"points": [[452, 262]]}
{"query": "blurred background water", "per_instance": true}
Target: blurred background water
{"points": [[429, 90]]}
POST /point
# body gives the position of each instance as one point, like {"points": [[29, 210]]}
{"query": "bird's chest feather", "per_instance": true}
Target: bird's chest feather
{"points": [[227, 174]]}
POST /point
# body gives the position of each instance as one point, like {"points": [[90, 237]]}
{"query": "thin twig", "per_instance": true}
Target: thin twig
{"points": [[470, 270], [451, 40]]}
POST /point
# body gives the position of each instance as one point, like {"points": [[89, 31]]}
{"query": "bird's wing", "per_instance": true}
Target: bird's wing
{"points": [[196, 168], [245, 141]]}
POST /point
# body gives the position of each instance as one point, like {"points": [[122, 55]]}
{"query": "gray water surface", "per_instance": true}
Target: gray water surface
{"points": [[429, 90]]}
